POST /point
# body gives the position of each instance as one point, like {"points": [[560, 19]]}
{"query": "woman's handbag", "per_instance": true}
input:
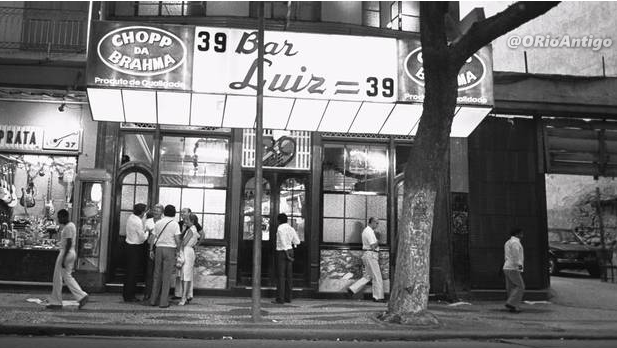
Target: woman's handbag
{"points": [[180, 260]]}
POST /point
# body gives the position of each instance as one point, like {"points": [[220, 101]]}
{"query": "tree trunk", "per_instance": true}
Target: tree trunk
{"points": [[425, 175], [427, 184]]}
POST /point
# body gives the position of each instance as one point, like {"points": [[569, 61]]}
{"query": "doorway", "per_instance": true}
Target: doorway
{"points": [[283, 192], [135, 187]]}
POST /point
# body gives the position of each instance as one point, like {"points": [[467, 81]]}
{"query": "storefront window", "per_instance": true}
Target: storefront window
{"points": [[138, 148], [354, 189], [193, 174], [32, 189]]}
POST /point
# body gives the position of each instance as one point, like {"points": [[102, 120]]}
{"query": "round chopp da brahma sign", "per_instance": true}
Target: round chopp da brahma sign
{"points": [[141, 51], [470, 75]]}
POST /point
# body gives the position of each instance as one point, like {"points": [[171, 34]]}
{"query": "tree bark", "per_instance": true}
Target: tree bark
{"points": [[427, 171]]}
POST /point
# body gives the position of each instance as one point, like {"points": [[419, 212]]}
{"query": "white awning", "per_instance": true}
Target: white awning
{"points": [[238, 111]]}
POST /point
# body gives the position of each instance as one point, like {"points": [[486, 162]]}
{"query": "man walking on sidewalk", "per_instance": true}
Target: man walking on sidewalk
{"points": [[512, 269], [370, 259]]}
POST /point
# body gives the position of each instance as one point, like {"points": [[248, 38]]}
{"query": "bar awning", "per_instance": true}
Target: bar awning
{"points": [[238, 111], [206, 76]]}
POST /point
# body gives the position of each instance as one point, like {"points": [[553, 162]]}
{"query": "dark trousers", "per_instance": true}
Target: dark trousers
{"points": [[284, 273], [164, 261], [148, 275], [134, 260]]}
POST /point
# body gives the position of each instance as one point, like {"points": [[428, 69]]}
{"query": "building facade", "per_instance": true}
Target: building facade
{"points": [[331, 184]]}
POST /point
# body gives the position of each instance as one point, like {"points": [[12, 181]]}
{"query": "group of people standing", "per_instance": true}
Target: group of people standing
{"points": [[170, 248]]}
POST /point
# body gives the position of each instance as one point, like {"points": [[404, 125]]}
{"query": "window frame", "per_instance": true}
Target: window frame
{"points": [[344, 193]]}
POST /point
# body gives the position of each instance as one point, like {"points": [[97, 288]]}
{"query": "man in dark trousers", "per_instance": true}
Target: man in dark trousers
{"points": [[286, 240], [135, 237]]}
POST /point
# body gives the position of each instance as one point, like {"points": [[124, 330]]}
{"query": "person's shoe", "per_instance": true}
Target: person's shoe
{"points": [[181, 303], [53, 306], [278, 302], [176, 298], [509, 306], [83, 301], [167, 306], [514, 310], [383, 300], [188, 300], [287, 301]]}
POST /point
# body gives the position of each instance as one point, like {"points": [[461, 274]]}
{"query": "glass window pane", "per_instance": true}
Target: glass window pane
{"points": [[355, 206], [129, 178], [124, 215], [247, 229], [214, 226], [334, 205], [173, 8], [334, 168], [192, 175], [377, 171], [215, 174], [128, 197], [141, 195], [140, 179], [285, 202], [215, 201], [298, 224], [353, 230], [148, 8], [355, 168], [193, 199], [382, 232], [333, 230], [124, 8], [170, 195], [377, 206], [138, 148]]}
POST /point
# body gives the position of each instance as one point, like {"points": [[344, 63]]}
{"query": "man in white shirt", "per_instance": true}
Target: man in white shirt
{"points": [[135, 238], [286, 240], [512, 269], [167, 242], [370, 259]]}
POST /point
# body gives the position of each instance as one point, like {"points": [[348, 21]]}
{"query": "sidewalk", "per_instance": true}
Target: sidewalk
{"points": [[229, 317]]}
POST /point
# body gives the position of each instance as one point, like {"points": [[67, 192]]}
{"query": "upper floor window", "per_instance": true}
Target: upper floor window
{"points": [[157, 8], [396, 15], [296, 10]]}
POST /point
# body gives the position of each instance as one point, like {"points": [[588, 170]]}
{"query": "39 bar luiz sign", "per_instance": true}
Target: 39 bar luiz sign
{"points": [[297, 65]]}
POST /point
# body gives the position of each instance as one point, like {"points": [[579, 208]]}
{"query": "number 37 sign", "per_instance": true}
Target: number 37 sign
{"points": [[65, 140], [297, 65]]}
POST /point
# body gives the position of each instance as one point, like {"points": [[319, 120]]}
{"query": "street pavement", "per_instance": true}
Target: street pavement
{"points": [[581, 309], [139, 342]]}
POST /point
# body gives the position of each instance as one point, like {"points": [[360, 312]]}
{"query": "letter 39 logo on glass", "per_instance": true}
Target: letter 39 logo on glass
{"points": [[471, 74], [141, 51]]}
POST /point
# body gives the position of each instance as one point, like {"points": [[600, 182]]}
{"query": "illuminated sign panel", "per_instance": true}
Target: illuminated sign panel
{"points": [[140, 56], [297, 65]]}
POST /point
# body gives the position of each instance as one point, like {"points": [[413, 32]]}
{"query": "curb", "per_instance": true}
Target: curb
{"points": [[217, 333]]}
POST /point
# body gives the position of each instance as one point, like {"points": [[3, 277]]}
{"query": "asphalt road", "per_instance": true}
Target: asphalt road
{"points": [[105, 342]]}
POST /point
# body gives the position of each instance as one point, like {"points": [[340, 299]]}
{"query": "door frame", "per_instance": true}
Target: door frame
{"points": [[114, 240], [275, 178]]}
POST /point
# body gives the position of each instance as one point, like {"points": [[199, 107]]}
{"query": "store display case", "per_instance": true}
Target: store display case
{"points": [[92, 219]]}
